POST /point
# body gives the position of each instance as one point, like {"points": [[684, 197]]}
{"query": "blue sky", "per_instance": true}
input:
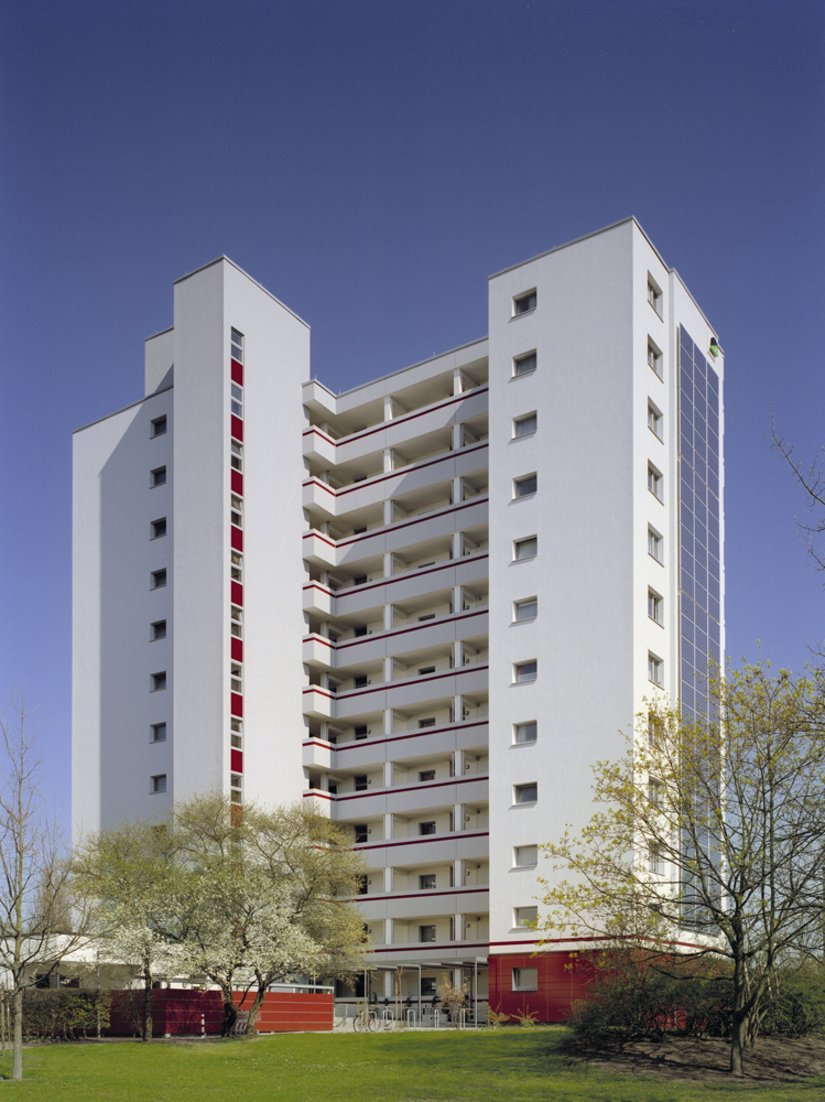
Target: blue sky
{"points": [[372, 163]]}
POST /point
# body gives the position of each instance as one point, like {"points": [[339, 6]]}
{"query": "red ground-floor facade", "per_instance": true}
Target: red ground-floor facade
{"points": [[545, 983]]}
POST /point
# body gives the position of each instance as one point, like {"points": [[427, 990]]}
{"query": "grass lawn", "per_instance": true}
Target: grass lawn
{"points": [[488, 1066]]}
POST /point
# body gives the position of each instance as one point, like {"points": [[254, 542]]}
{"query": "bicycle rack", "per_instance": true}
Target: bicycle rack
{"points": [[410, 1018]]}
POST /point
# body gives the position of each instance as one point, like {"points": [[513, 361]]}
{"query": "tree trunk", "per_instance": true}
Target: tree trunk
{"points": [[17, 1035], [230, 1013], [146, 1032], [738, 1039]]}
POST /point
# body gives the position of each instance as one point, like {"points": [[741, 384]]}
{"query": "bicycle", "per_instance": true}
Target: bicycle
{"points": [[367, 1021]]}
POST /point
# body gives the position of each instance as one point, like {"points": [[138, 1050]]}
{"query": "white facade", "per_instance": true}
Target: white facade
{"points": [[489, 579]]}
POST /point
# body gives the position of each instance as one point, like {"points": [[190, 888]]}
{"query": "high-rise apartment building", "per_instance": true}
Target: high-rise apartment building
{"points": [[425, 605]]}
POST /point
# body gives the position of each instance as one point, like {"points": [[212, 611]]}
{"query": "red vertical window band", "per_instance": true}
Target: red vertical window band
{"points": [[236, 427], [236, 538], [237, 372], [237, 649], [237, 483], [236, 704], [237, 593], [236, 761]]}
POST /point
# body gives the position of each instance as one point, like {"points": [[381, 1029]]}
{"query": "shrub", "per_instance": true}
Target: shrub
{"points": [[798, 1007], [63, 1014]]}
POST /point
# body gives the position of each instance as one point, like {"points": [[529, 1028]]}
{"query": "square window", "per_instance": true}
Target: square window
{"points": [[157, 477], [655, 421], [426, 933], [426, 881], [655, 545], [236, 345], [525, 793], [361, 781], [361, 731], [157, 681], [524, 917], [526, 548], [426, 774], [526, 609], [655, 669], [361, 832], [427, 828], [654, 294], [525, 425], [655, 482], [158, 630], [158, 528], [524, 303], [428, 985], [525, 671], [525, 857], [157, 732], [654, 357], [525, 979], [157, 579], [524, 733], [525, 485], [525, 364], [157, 784], [158, 426], [655, 606]]}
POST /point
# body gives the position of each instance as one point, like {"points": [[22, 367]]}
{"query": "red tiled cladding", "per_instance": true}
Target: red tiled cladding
{"points": [[237, 649], [285, 1012], [237, 593], [236, 761], [237, 483], [236, 427], [237, 372], [236, 538], [236, 704], [563, 977], [194, 1013]]}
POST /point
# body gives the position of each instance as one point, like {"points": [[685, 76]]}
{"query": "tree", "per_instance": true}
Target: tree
{"points": [[129, 875], [37, 924], [263, 901], [708, 839], [811, 477]]}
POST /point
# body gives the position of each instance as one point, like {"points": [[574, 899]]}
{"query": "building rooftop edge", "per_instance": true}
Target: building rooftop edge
{"points": [[228, 260], [129, 405]]}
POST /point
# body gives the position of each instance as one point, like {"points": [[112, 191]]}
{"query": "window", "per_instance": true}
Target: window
{"points": [[426, 882], [655, 482], [235, 788], [525, 610], [158, 630], [236, 733], [363, 884], [157, 784], [236, 677], [525, 857], [157, 732], [158, 477], [361, 782], [361, 832], [655, 544], [655, 669], [157, 579], [525, 671], [428, 985], [654, 294], [427, 828], [158, 426], [361, 731], [157, 681], [655, 729], [158, 528], [236, 345], [654, 357], [236, 455], [360, 681], [525, 979], [525, 485], [526, 548], [524, 365], [426, 774], [236, 621], [236, 569], [654, 791], [426, 933], [525, 426], [525, 916], [654, 420], [525, 793], [655, 605], [236, 510], [524, 733], [237, 400], [428, 722], [524, 303], [655, 861], [422, 670]]}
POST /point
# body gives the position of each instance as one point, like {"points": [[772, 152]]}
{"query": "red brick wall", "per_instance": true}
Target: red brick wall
{"points": [[177, 1012]]}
